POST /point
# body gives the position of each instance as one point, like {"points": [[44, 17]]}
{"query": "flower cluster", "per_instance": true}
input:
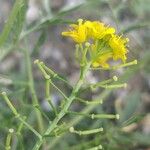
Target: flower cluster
{"points": [[105, 44]]}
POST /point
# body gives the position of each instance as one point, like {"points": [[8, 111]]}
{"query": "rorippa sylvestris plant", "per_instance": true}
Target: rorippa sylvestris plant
{"points": [[97, 45]]}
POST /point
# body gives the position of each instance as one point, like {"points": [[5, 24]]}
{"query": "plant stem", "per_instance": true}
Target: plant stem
{"points": [[8, 139], [17, 115], [48, 97], [95, 116], [85, 132], [55, 75], [33, 93], [59, 90], [94, 102], [66, 106], [77, 119]]}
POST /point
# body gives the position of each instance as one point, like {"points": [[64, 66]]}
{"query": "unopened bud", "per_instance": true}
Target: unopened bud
{"points": [[117, 116], [115, 78], [71, 129], [11, 130]]}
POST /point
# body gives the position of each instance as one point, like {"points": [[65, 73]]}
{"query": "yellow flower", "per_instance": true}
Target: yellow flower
{"points": [[78, 32], [102, 60], [118, 45], [104, 43], [97, 30], [88, 30]]}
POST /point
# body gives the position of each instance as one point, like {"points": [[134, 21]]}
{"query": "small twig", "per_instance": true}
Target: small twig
{"points": [[17, 115]]}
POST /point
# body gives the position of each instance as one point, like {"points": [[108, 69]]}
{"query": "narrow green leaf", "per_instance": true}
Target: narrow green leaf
{"points": [[133, 119], [132, 104], [39, 42], [13, 27]]}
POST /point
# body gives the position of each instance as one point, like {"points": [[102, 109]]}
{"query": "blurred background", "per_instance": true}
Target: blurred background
{"points": [[37, 27]]}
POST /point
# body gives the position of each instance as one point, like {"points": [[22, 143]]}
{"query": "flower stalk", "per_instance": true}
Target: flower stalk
{"points": [[48, 82], [69, 100], [17, 115], [99, 84], [85, 132], [95, 116], [114, 86], [53, 74], [92, 102], [8, 139], [32, 90], [48, 96], [134, 62]]}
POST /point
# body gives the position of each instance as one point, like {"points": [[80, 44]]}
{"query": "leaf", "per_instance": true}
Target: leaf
{"points": [[45, 22], [51, 20], [67, 9], [39, 42], [133, 119], [13, 27], [135, 27], [133, 101]]}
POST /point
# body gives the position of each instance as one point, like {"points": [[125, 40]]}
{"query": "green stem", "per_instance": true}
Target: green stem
{"points": [[101, 83], [8, 139], [85, 132], [113, 86], [33, 93], [78, 118], [13, 109], [66, 106], [95, 116], [54, 75], [49, 81], [134, 62], [48, 97], [87, 102], [58, 90], [84, 59], [20, 126]]}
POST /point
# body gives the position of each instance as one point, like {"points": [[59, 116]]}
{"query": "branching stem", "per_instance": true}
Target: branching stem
{"points": [[66, 106]]}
